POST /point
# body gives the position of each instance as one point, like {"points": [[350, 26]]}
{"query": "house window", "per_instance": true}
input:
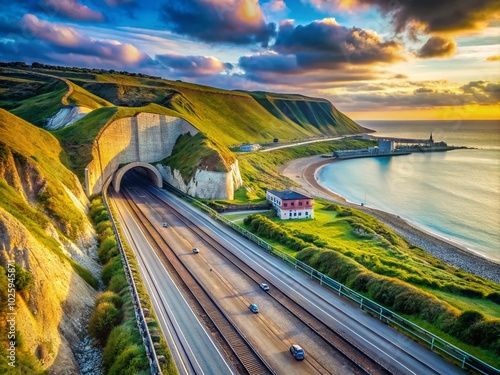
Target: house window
{"points": [[286, 204], [300, 203], [295, 214], [293, 203], [300, 213]]}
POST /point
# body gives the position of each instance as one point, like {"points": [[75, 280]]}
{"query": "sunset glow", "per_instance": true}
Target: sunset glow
{"points": [[372, 59]]}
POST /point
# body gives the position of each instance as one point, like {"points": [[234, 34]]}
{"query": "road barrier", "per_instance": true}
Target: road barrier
{"points": [[139, 313], [434, 343]]}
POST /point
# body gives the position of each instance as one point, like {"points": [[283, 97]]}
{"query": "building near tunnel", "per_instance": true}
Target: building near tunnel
{"points": [[290, 204]]}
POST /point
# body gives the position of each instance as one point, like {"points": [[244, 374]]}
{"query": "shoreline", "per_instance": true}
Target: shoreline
{"points": [[303, 171]]}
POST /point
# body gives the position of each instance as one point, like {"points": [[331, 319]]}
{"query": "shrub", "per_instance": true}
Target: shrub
{"points": [[103, 225], [24, 279], [104, 317], [118, 282], [110, 297], [118, 339], [107, 249], [110, 269], [130, 361], [106, 233]]}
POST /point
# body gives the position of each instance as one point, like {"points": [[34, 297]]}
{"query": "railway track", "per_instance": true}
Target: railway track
{"points": [[362, 363], [243, 355]]}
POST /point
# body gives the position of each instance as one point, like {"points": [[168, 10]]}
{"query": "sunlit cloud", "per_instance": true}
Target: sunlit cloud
{"points": [[71, 9], [437, 46], [232, 21], [193, 66]]}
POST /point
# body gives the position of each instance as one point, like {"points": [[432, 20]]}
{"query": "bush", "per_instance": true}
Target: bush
{"points": [[106, 233], [110, 269], [24, 279], [107, 249], [266, 228], [118, 339], [130, 361], [103, 225], [110, 297], [103, 319], [118, 282]]}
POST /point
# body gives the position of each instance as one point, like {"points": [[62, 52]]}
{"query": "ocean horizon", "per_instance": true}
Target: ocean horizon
{"points": [[453, 194]]}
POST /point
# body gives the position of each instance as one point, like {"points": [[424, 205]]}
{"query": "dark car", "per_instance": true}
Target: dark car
{"points": [[297, 352], [196, 250], [264, 287], [253, 308]]}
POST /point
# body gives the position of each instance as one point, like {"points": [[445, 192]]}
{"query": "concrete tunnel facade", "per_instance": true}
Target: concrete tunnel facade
{"points": [[144, 138]]}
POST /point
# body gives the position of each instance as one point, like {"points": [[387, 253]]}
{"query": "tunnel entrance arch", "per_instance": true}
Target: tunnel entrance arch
{"points": [[147, 169]]}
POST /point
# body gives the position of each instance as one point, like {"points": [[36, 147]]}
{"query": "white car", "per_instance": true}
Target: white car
{"points": [[264, 287], [196, 250]]}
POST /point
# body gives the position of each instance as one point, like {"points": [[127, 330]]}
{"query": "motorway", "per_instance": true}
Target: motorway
{"points": [[192, 347], [272, 330]]}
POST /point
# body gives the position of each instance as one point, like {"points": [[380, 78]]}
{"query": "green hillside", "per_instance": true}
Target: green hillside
{"points": [[37, 150], [251, 116], [226, 118]]}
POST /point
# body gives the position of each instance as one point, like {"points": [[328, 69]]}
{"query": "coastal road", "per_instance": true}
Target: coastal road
{"points": [[393, 349], [280, 146], [191, 346]]}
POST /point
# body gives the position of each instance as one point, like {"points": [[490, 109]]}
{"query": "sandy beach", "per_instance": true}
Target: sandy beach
{"points": [[303, 171]]}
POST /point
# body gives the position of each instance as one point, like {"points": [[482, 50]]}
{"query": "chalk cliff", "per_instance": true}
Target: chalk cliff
{"points": [[205, 184]]}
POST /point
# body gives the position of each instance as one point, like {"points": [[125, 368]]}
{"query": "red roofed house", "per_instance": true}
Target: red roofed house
{"points": [[291, 205]]}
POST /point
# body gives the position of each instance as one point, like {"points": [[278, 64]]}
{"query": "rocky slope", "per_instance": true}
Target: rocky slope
{"points": [[44, 229]]}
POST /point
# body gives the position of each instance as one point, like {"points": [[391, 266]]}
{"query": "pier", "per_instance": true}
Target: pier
{"points": [[391, 146]]}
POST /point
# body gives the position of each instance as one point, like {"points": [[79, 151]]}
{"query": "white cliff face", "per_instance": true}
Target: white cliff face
{"points": [[67, 116], [205, 184]]}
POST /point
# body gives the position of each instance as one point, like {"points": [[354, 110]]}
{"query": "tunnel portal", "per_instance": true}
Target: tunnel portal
{"points": [[145, 169]]}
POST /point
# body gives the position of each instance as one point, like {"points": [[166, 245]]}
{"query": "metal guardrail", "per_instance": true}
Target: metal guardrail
{"points": [[139, 313], [436, 344]]}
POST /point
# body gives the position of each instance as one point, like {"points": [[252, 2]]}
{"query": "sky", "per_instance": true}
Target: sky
{"points": [[373, 59]]}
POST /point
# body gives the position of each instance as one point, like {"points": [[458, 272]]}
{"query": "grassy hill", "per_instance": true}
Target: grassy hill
{"points": [[35, 94], [251, 116]]}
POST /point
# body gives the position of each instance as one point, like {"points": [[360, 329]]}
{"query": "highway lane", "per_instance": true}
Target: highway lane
{"points": [[233, 294], [192, 348], [359, 326]]}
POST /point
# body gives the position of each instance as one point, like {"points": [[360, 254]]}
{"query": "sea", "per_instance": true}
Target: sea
{"points": [[453, 194]]}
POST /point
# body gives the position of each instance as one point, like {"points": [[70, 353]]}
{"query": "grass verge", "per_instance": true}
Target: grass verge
{"points": [[123, 350]]}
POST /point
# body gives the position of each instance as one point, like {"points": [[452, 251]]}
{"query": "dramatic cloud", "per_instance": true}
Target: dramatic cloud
{"points": [[437, 47], [50, 32], [483, 91], [71, 9], [193, 66], [420, 94], [436, 16], [326, 44], [231, 21], [284, 70], [65, 44], [320, 53]]}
